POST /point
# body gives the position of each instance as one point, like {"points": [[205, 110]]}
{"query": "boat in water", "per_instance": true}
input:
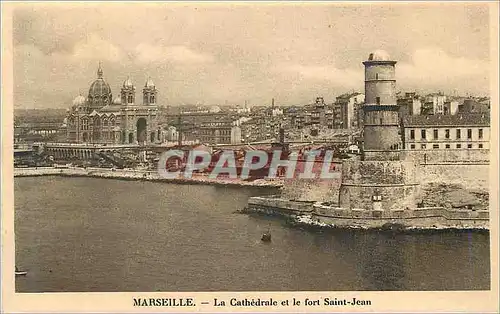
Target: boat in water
{"points": [[20, 272], [266, 237]]}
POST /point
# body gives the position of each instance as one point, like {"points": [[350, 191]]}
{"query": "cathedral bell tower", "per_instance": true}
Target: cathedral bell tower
{"points": [[128, 92], [149, 93]]}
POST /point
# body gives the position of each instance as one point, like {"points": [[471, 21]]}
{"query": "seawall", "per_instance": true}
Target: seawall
{"points": [[120, 174], [316, 213]]}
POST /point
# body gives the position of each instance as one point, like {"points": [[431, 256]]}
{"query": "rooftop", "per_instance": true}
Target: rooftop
{"points": [[469, 119]]}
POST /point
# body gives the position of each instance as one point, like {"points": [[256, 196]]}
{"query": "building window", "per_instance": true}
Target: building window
{"points": [[129, 99], [480, 145], [469, 145], [469, 134], [435, 146], [447, 145], [412, 146], [423, 146], [480, 133], [435, 134], [447, 133], [376, 76], [459, 145], [458, 134], [85, 124], [378, 100], [412, 134], [423, 134]]}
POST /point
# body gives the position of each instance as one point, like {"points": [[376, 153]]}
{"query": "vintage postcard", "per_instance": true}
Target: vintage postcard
{"points": [[250, 157]]}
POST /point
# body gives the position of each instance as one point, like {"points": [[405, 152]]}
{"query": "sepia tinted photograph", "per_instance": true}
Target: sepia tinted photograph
{"points": [[204, 147]]}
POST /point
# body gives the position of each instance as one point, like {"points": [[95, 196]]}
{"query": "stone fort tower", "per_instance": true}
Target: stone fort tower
{"points": [[382, 179], [381, 136]]}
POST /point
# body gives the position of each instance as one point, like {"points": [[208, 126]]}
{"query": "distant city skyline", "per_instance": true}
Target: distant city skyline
{"points": [[213, 53]]}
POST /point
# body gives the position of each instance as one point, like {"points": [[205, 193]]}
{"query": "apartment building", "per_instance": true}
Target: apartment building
{"points": [[347, 110], [461, 131]]}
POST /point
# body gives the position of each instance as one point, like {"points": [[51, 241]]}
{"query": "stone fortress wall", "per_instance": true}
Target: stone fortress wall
{"points": [[444, 156], [473, 176], [394, 181], [324, 215]]}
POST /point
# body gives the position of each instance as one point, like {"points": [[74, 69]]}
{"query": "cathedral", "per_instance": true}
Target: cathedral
{"points": [[101, 119]]}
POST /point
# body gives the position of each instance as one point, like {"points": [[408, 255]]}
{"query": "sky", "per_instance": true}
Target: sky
{"points": [[216, 54]]}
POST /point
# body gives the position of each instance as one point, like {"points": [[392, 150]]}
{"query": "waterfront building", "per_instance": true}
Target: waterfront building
{"points": [[457, 132], [255, 130], [39, 125], [30, 132], [347, 110], [98, 118], [223, 131], [262, 127], [206, 127], [263, 123], [316, 116]]}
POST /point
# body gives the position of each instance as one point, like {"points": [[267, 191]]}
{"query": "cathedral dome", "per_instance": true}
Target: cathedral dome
{"points": [[117, 100], [79, 100], [99, 87], [128, 83], [149, 83], [379, 55], [99, 92]]}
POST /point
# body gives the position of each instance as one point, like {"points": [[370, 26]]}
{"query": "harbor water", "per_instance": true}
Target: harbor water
{"points": [[102, 235]]}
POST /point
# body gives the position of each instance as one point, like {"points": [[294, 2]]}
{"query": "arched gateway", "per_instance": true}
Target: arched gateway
{"points": [[141, 130]]}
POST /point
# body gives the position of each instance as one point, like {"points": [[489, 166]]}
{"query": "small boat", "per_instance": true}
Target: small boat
{"points": [[20, 272], [266, 237]]}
